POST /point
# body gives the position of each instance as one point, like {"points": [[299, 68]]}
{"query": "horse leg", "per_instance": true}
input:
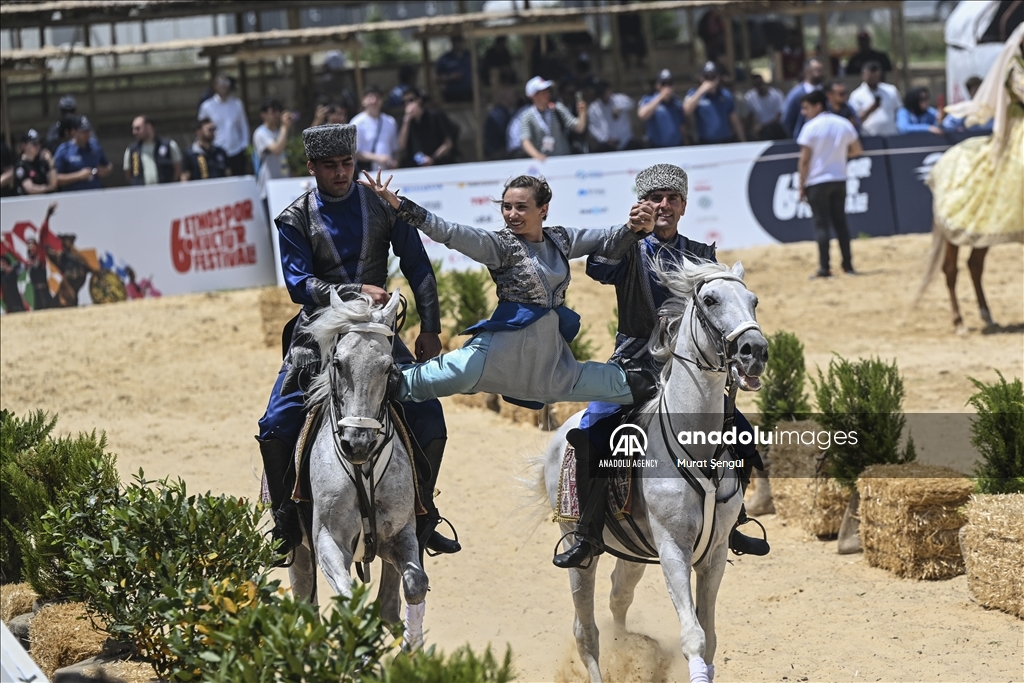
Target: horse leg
{"points": [[949, 268], [335, 562], [709, 579], [675, 565], [404, 555], [302, 573], [388, 596], [584, 626], [976, 265], [625, 577]]}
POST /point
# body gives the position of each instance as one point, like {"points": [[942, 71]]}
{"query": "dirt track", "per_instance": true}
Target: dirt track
{"points": [[179, 383]]}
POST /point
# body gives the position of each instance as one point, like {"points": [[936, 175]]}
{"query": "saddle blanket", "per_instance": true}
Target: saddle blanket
{"points": [[567, 508]]}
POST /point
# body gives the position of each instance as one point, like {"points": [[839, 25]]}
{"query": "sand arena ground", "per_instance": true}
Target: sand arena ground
{"points": [[178, 384]]}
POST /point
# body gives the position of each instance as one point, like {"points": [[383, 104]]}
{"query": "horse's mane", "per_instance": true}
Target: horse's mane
{"points": [[327, 323], [681, 279]]}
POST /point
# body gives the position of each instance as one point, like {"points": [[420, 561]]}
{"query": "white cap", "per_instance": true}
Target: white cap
{"points": [[535, 85]]}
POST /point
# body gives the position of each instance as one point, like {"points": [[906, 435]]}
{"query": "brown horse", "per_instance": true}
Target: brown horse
{"points": [[945, 252]]}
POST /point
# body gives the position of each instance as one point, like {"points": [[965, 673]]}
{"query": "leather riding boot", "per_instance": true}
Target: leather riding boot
{"points": [[434, 453], [592, 492], [643, 383], [280, 480], [746, 545]]}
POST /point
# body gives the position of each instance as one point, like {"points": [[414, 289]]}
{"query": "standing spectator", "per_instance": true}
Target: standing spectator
{"points": [[152, 159], [663, 113], [496, 124], [269, 142], [498, 57], [793, 56], [228, 115], [376, 135], [34, 174], [917, 115], [329, 113], [765, 105], [545, 126], [610, 122], [632, 42], [838, 103], [792, 112], [875, 102], [952, 123], [514, 137], [711, 29], [406, 82], [205, 160], [865, 54], [56, 135], [81, 162], [7, 188], [826, 142], [454, 72], [428, 137], [714, 109]]}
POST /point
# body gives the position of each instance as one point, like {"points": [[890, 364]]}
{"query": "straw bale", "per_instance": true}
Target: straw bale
{"points": [[61, 635], [801, 493], [992, 542], [910, 519], [125, 672], [16, 599]]}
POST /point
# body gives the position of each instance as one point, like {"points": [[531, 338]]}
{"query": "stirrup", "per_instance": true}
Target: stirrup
{"points": [[455, 533], [285, 559], [595, 550], [763, 539]]}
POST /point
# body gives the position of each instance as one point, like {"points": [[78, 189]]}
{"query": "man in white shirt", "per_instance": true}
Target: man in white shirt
{"points": [[228, 114], [608, 120], [826, 142], [876, 103], [765, 105], [269, 142], [376, 135]]}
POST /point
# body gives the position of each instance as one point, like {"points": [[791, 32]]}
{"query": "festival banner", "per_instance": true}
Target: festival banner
{"points": [[100, 246]]}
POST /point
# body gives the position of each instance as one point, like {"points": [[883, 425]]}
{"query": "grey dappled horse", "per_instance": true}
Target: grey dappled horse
{"points": [[708, 333], [355, 339]]}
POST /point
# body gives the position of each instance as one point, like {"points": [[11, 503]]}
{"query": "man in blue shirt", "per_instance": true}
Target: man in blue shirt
{"points": [[714, 109], [455, 72], [335, 239], [80, 162], [663, 113], [792, 118]]}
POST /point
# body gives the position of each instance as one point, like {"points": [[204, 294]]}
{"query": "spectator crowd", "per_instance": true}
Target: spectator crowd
{"points": [[560, 111]]}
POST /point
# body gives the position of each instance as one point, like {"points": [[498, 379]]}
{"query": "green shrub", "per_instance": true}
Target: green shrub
{"points": [[865, 397], [613, 324], [34, 471], [462, 666], [229, 630], [464, 296], [157, 541], [782, 397], [582, 346], [997, 431]]}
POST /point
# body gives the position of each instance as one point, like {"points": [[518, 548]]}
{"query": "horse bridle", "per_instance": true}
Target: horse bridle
{"points": [[719, 340]]}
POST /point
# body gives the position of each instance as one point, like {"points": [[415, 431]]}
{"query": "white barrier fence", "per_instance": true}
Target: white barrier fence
{"points": [[108, 245]]}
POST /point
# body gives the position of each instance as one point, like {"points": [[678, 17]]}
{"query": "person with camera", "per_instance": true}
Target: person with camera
{"points": [[269, 141], [714, 110], [875, 102]]}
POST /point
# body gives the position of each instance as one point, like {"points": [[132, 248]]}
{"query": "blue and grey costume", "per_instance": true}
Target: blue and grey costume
{"points": [[522, 351]]}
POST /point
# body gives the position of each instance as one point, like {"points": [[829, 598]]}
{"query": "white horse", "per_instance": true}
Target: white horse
{"points": [[356, 455], [709, 334]]}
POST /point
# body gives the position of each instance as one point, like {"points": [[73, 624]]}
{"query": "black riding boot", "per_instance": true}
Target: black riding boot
{"points": [[277, 457], [435, 542], [643, 383], [592, 491], [746, 545]]}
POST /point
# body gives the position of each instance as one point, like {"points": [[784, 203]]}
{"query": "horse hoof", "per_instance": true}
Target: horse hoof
{"points": [[961, 329]]}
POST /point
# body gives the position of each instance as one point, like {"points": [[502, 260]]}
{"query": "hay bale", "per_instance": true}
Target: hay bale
{"points": [[801, 493], [61, 635], [16, 599], [910, 519], [992, 543]]}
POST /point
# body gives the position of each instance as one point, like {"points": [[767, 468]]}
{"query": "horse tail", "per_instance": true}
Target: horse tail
{"points": [[934, 259]]}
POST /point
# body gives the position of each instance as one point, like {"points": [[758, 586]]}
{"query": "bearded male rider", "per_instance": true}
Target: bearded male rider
{"points": [[335, 238], [639, 295]]}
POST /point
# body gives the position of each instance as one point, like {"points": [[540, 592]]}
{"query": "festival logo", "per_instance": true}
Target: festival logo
{"points": [[594, 210], [213, 240], [589, 191], [479, 201]]}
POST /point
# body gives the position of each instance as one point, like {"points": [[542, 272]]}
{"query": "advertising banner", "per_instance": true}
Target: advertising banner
{"points": [[100, 246]]}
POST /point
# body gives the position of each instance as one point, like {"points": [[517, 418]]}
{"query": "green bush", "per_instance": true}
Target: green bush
{"points": [[383, 48], [464, 296], [157, 541], [582, 346], [865, 397], [997, 431], [35, 469], [462, 666], [782, 397], [613, 324]]}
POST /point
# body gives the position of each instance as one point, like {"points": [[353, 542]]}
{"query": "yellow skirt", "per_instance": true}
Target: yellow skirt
{"points": [[975, 203]]}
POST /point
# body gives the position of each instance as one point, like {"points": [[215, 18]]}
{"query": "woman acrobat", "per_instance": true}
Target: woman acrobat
{"points": [[522, 351]]}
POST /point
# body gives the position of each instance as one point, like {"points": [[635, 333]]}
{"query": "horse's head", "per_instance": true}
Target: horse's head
{"points": [[711, 322], [356, 348]]}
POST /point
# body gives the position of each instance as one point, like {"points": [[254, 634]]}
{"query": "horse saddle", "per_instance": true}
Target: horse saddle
{"points": [[620, 490], [310, 428]]}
